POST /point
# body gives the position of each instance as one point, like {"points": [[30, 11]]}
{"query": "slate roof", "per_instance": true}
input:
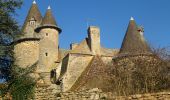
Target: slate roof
{"points": [[94, 76], [134, 42], [48, 21], [33, 12], [49, 18]]}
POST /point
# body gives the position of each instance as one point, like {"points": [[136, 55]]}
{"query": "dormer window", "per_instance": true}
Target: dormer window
{"points": [[32, 21], [141, 30]]}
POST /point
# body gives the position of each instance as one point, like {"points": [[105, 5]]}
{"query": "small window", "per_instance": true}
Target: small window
{"points": [[46, 54], [46, 34], [32, 21]]}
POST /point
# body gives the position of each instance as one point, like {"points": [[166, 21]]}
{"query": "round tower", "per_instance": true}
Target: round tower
{"points": [[26, 47], [48, 33]]}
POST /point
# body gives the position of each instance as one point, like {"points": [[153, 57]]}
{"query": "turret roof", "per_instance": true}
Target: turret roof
{"points": [[133, 41], [48, 21], [48, 18], [33, 12]]}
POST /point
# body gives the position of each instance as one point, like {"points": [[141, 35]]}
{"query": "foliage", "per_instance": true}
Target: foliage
{"points": [[8, 25], [8, 30], [163, 53], [22, 85], [19, 85]]}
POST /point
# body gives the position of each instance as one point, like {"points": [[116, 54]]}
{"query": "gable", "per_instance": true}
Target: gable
{"points": [[82, 48]]}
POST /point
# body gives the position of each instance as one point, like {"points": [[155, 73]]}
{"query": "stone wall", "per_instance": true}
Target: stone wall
{"points": [[46, 92], [75, 66], [99, 95], [26, 53]]}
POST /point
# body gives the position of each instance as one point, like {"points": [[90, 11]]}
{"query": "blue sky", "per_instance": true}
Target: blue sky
{"points": [[112, 16]]}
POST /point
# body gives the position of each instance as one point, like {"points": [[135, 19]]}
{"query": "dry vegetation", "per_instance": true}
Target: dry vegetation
{"points": [[142, 73], [128, 75]]}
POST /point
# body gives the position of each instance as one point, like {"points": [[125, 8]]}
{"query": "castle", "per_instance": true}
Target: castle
{"points": [[62, 69]]}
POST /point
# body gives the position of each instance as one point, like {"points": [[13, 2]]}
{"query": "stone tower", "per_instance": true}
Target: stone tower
{"points": [[26, 49], [33, 20], [94, 39], [48, 33]]}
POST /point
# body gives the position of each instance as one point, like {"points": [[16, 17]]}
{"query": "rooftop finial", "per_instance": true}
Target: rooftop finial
{"points": [[34, 2], [131, 18], [49, 7]]}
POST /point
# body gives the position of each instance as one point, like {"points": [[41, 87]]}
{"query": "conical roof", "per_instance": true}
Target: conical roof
{"points": [[33, 13], [134, 42], [48, 21], [48, 18]]}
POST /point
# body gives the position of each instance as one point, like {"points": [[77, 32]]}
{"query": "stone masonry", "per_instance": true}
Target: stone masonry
{"points": [[58, 70]]}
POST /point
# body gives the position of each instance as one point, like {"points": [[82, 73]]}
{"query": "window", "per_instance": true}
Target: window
{"points": [[46, 34], [32, 21], [46, 54]]}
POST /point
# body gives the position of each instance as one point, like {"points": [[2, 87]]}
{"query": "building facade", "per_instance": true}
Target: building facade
{"points": [[62, 69]]}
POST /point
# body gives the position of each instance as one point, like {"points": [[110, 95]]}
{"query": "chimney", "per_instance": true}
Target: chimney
{"points": [[94, 39]]}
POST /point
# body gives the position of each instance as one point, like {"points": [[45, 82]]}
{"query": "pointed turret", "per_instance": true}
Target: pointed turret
{"points": [[48, 18], [48, 21], [134, 42], [33, 19]]}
